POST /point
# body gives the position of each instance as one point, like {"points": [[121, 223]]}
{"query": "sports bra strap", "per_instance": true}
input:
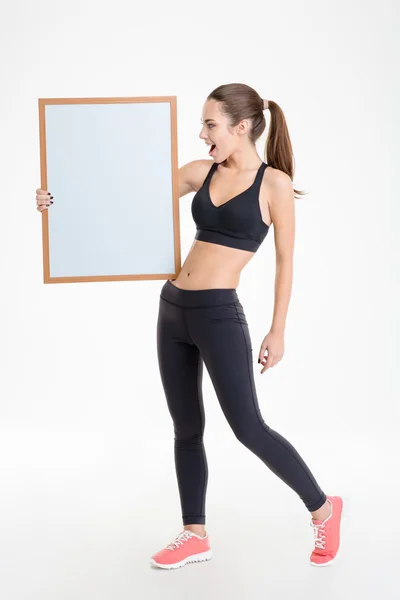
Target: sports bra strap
{"points": [[210, 172], [257, 180], [260, 173]]}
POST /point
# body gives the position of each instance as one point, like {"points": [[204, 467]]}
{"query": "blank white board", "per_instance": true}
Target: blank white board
{"points": [[111, 166]]}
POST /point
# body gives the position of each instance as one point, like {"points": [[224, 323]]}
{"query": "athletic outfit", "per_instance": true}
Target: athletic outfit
{"points": [[209, 326], [237, 223]]}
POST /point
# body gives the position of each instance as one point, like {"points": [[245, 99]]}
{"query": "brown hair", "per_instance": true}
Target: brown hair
{"points": [[240, 101]]}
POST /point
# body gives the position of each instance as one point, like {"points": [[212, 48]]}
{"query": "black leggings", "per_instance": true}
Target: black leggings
{"points": [[210, 325]]}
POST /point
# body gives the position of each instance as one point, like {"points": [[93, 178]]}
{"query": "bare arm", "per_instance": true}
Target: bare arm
{"points": [[281, 206], [283, 217], [192, 175]]}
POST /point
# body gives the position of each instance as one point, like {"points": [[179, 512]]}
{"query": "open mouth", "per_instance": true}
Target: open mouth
{"points": [[212, 149]]}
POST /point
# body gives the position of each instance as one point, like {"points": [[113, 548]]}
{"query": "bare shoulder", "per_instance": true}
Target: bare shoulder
{"points": [[276, 184], [192, 175], [276, 178]]}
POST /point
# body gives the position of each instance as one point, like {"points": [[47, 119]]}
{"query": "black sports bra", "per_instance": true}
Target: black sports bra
{"points": [[236, 223]]}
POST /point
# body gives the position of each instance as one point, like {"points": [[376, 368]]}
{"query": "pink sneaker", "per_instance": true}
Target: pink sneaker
{"points": [[186, 548], [327, 534]]}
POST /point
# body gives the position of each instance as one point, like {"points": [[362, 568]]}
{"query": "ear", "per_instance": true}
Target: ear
{"points": [[243, 127]]}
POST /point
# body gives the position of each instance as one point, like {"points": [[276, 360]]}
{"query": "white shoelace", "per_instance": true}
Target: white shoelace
{"points": [[319, 534], [319, 531], [184, 536]]}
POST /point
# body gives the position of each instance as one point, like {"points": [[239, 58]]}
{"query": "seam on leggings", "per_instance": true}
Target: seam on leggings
{"points": [[199, 358], [264, 425]]}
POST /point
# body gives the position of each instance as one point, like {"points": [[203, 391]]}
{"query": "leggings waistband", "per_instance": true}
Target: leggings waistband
{"points": [[198, 298]]}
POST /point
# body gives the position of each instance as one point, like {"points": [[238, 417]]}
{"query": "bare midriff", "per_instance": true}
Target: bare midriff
{"points": [[211, 266]]}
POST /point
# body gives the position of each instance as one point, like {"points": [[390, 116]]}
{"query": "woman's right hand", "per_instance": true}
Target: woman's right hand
{"points": [[43, 200]]}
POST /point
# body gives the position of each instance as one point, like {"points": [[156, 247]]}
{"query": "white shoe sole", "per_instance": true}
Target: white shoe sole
{"points": [[203, 556]]}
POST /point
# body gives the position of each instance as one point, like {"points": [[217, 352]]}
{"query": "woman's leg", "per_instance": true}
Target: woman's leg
{"points": [[181, 370], [222, 335]]}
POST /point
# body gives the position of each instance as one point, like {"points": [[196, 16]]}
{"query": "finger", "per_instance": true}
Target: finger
{"points": [[268, 364], [270, 361], [42, 192]]}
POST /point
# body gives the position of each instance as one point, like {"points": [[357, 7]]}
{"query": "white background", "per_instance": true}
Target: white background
{"points": [[88, 487]]}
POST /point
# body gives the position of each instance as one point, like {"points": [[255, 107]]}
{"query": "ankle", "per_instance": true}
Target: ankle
{"points": [[323, 512], [198, 529]]}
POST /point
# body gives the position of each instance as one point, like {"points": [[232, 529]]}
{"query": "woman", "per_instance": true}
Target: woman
{"points": [[202, 320]]}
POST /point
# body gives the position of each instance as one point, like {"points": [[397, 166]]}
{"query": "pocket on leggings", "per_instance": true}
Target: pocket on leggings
{"points": [[228, 312], [231, 313], [245, 328]]}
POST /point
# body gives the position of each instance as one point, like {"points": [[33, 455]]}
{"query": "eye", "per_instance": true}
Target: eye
{"points": [[211, 125]]}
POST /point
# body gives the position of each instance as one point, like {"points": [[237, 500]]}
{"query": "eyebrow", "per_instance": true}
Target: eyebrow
{"points": [[207, 120]]}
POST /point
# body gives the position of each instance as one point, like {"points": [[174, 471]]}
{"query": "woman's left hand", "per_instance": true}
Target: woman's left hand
{"points": [[274, 344]]}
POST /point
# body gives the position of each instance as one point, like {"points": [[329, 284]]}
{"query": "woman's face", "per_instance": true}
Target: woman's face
{"points": [[216, 133]]}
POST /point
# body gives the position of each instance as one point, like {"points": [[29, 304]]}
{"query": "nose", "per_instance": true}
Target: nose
{"points": [[202, 136]]}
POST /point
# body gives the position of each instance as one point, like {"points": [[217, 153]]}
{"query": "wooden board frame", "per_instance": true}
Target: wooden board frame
{"points": [[43, 102]]}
